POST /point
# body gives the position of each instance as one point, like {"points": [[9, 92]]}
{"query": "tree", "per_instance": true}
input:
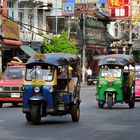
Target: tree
{"points": [[59, 43]]}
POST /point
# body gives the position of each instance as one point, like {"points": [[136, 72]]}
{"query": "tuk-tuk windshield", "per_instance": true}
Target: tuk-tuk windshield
{"points": [[40, 73], [110, 72]]}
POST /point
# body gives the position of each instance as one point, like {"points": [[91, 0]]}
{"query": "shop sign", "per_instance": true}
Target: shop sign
{"points": [[115, 4], [120, 12], [10, 30], [95, 33]]}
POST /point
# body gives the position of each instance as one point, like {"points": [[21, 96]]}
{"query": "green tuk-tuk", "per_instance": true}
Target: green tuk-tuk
{"points": [[115, 81]]}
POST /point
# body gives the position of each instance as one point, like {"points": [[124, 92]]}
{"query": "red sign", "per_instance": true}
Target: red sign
{"points": [[115, 4], [124, 12]]}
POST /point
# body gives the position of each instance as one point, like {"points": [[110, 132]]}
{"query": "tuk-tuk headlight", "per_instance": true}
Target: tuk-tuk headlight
{"points": [[1, 89], [51, 89], [37, 89]]}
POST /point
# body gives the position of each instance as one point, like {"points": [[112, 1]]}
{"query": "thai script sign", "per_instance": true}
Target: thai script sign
{"points": [[120, 12], [115, 3]]}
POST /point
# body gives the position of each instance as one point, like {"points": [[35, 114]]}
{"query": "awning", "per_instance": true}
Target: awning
{"points": [[11, 42], [28, 50]]}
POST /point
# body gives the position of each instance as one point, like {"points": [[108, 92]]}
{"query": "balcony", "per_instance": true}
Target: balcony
{"points": [[28, 36]]}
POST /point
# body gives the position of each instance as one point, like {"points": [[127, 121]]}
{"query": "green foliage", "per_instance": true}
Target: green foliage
{"points": [[59, 44]]}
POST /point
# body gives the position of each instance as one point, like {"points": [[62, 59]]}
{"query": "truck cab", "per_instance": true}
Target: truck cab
{"points": [[11, 84]]}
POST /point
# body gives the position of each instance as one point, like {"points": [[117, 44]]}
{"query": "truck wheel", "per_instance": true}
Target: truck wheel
{"points": [[15, 104], [100, 104], [1, 105], [35, 114], [28, 117], [75, 113], [88, 83], [109, 101]]}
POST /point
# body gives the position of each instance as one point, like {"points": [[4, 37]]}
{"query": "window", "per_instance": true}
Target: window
{"points": [[21, 18], [10, 12], [14, 73], [51, 24]]}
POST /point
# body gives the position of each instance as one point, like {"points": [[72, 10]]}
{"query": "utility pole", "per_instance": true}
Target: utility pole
{"points": [[56, 22], [1, 38], [83, 51]]}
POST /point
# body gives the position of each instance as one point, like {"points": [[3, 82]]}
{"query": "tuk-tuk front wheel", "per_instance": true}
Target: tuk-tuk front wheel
{"points": [[36, 114], [75, 113], [109, 101]]}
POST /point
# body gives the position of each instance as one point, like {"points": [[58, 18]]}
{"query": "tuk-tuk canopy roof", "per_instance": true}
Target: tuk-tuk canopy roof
{"points": [[56, 59], [117, 60]]}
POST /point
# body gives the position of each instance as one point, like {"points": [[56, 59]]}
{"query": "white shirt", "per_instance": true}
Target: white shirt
{"points": [[89, 72]]}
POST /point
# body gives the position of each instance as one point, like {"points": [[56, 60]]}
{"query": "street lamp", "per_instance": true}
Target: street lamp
{"points": [[83, 51]]}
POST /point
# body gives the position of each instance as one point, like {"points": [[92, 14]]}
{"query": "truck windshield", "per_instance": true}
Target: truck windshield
{"points": [[40, 73], [13, 73], [111, 72]]}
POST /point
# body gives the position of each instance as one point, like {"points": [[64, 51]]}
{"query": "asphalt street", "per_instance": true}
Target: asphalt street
{"points": [[119, 123]]}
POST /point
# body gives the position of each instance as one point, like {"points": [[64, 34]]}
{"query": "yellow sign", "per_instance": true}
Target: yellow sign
{"points": [[38, 82]]}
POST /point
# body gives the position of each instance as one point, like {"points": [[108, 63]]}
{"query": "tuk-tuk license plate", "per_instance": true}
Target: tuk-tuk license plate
{"points": [[110, 78], [15, 94]]}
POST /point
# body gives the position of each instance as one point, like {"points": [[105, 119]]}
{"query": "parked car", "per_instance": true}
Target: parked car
{"points": [[92, 79], [137, 84], [11, 84]]}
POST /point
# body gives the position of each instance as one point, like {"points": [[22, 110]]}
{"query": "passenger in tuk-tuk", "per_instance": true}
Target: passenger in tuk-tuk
{"points": [[67, 82]]}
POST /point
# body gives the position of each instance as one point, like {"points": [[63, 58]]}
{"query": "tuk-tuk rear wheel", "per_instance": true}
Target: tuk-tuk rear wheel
{"points": [[75, 113], [28, 117], [35, 114], [100, 104]]}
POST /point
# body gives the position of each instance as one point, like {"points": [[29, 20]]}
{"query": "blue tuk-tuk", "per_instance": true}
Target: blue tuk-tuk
{"points": [[51, 86]]}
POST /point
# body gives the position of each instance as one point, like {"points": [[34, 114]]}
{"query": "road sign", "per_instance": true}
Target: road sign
{"points": [[68, 8]]}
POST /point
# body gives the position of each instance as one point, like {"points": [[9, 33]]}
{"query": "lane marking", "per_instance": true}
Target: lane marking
{"points": [[2, 121]]}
